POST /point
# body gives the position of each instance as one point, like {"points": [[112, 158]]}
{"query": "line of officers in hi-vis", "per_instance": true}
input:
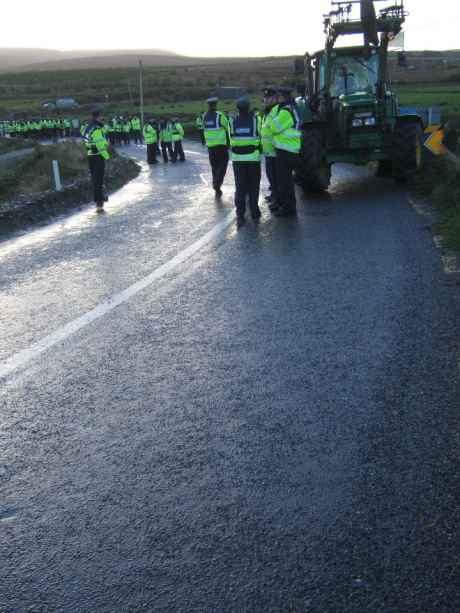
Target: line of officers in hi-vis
{"points": [[244, 139], [167, 132]]}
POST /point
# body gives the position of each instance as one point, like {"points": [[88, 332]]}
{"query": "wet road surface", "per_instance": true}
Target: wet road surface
{"points": [[269, 425]]}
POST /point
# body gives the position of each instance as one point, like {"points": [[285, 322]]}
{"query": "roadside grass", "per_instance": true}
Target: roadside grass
{"points": [[440, 182], [38, 176], [34, 175], [446, 96], [13, 144], [26, 190]]}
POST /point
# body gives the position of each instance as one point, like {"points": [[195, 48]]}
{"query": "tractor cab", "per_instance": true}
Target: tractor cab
{"points": [[352, 74]]}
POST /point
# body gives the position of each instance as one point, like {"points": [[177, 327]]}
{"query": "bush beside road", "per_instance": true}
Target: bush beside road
{"points": [[440, 182]]}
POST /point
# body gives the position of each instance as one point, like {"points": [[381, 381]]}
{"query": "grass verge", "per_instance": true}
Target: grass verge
{"points": [[440, 182], [26, 189], [14, 144]]}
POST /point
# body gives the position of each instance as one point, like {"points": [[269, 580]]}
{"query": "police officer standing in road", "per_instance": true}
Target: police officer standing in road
{"points": [[286, 129], [177, 136], [166, 140], [246, 147], [271, 109], [97, 147], [199, 125], [215, 127], [150, 139], [136, 129]]}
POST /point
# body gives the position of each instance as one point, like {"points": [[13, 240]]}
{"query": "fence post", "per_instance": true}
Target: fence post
{"points": [[57, 176]]}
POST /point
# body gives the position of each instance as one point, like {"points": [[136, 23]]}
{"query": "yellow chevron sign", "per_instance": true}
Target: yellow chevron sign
{"points": [[434, 143]]}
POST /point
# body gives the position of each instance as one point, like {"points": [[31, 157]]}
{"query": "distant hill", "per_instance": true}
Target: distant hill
{"points": [[23, 59]]}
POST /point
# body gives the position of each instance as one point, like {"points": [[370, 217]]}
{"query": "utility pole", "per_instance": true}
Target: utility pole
{"points": [[141, 93], [130, 93]]}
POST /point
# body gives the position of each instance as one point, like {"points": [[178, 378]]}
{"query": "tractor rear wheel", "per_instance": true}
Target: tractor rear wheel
{"points": [[314, 172], [407, 149]]}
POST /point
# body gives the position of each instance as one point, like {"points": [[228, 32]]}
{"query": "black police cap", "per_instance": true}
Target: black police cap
{"points": [[269, 91]]}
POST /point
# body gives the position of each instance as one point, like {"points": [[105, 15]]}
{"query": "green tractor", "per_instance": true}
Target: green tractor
{"points": [[350, 113]]}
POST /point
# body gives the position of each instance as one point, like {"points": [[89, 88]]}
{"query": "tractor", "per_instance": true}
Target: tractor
{"points": [[350, 112]]}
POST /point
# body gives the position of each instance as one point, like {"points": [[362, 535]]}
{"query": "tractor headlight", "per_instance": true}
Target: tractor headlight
{"points": [[370, 121], [357, 123]]}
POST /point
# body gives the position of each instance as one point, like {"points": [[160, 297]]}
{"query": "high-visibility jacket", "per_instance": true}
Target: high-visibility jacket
{"points": [[199, 122], [95, 140], [177, 132], [285, 127], [83, 129], [150, 134], [268, 143], [136, 123], [127, 127], [215, 126], [166, 132], [245, 141]]}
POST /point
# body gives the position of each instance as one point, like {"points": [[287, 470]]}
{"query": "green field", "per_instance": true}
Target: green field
{"points": [[118, 89], [176, 90], [446, 95]]}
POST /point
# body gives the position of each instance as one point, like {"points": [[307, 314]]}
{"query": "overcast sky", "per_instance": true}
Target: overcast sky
{"points": [[204, 28]]}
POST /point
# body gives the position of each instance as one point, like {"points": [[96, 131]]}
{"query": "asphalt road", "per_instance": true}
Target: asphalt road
{"points": [[200, 419]]}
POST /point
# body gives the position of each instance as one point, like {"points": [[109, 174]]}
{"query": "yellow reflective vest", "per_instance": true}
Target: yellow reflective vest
{"points": [[215, 126], [95, 140]]}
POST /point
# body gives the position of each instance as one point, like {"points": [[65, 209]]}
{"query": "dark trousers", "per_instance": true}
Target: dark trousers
{"points": [[203, 142], [218, 158], [286, 164], [152, 153], [136, 136], [247, 182], [96, 168], [178, 151], [166, 149], [270, 171]]}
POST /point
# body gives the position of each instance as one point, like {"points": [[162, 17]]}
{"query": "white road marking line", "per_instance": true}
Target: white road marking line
{"points": [[438, 241], [203, 178], [61, 334], [194, 152]]}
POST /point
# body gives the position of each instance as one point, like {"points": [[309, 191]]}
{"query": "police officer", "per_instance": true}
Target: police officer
{"points": [[271, 108], [246, 147], [177, 136], [156, 125], [97, 147], [285, 127], [150, 139], [136, 129], [199, 125], [215, 127], [127, 131], [166, 140]]}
